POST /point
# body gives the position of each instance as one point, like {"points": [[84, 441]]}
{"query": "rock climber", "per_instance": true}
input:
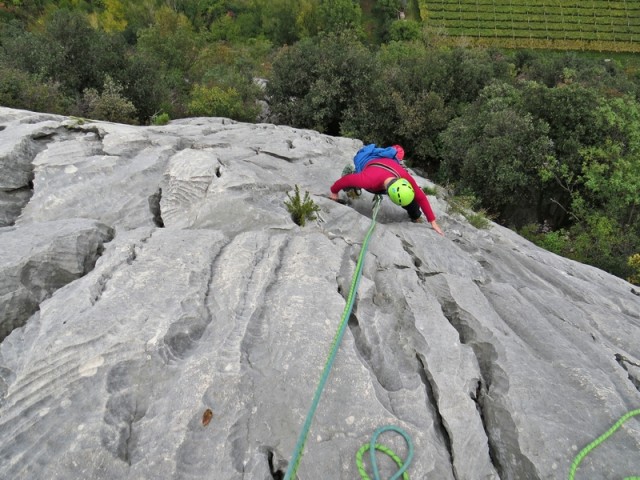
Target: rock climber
{"points": [[386, 175]]}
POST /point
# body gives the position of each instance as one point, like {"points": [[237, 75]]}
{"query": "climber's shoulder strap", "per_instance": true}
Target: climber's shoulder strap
{"points": [[386, 167]]}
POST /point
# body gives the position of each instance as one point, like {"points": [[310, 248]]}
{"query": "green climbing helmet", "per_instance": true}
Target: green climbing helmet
{"points": [[401, 192]]}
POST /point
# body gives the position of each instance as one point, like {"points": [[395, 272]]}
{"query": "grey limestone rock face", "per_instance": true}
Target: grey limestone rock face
{"points": [[153, 274], [40, 258], [22, 136]]}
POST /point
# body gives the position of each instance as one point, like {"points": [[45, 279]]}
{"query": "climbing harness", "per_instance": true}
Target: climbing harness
{"points": [[302, 438], [585, 451]]}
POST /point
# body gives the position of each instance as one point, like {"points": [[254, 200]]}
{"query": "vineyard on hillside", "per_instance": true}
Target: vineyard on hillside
{"points": [[602, 25]]}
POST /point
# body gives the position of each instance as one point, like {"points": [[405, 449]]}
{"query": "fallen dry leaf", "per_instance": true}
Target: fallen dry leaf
{"points": [[207, 416]]}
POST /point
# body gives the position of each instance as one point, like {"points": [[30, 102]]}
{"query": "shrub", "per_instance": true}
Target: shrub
{"points": [[215, 102], [405, 30], [301, 210], [314, 82], [18, 89], [110, 105], [634, 263]]}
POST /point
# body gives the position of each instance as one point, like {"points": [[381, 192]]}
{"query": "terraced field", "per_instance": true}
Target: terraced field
{"points": [[601, 25]]}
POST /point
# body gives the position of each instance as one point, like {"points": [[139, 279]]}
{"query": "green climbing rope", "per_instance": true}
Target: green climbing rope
{"points": [[302, 438], [585, 451], [373, 446]]}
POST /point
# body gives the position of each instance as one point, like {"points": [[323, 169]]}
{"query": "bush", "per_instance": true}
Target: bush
{"points": [[495, 150], [405, 30], [556, 241], [20, 90], [144, 84], [215, 102], [80, 55], [315, 81], [110, 105], [634, 263], [301, 210]]}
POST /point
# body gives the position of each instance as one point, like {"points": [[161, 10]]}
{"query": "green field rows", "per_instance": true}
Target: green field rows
{"points": [[590, 24]]}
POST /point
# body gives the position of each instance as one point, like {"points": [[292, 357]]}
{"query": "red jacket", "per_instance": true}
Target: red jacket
{"points": [[372, 179]]}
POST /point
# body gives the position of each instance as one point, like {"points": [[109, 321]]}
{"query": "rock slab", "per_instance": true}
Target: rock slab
{"points": [[164, 318]]}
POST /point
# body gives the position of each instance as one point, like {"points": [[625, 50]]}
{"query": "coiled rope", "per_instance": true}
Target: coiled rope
{"points": [[585, 451], [304, 433], [373, 446]]}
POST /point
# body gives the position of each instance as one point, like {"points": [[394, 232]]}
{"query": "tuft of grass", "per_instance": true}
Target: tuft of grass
{"points": [[478, 220], [159, 119], [301, 209], [75, 122], [465, 205], [432, 191]]}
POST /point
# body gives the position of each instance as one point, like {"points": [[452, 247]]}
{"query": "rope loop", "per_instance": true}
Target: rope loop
{"points": [[585, 451], [372, 446]]}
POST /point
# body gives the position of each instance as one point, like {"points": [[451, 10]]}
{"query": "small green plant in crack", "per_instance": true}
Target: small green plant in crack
{"points": [[464, 205], [432, 191], [160, 119], [75, 122], [300, 209]]}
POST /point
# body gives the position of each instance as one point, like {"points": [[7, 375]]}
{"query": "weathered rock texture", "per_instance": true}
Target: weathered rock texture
{"points": [[152, 273]]}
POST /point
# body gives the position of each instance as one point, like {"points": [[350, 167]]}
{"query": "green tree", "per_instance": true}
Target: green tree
{"points": [[279, 21], [314, 81], [113, 17], [28, 51], [465, 73], [80, 55], [608, 204], [307, 18], [633, 263], [174, 47], [216, 101], [145, 86], [226, 28], [389, 111], [19, 89], [496, 150], [138, 15], [67, 50], [339, 16], [399, 103], [604, 189], [385, 13], [612, 169], [405, 30], [570, 112], [170, 41]]}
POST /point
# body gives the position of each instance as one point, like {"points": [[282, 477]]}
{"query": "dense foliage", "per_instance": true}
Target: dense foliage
{"points": [[546, 142]]}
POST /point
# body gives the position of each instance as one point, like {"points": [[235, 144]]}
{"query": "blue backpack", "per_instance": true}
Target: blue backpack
{"points": [[371, 152]]}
